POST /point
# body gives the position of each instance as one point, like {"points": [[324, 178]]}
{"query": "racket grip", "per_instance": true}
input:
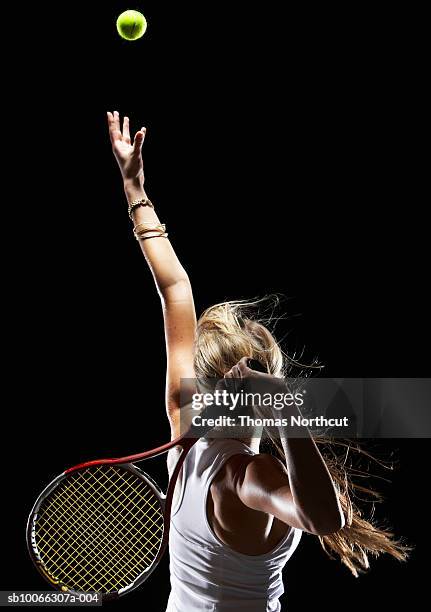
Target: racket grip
{"points": [[212, 412]]}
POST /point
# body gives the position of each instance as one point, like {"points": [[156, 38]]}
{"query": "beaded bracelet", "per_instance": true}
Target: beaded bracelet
{"points": [[137, 203]]}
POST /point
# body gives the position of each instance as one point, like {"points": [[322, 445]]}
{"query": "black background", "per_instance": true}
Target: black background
{"points": [[284, 152]]}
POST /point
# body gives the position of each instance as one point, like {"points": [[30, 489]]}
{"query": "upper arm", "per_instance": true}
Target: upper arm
{"points": [[180, 327], [263, 484]]}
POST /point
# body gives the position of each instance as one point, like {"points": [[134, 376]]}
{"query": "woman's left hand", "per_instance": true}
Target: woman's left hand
{"points": [[128, 155]]}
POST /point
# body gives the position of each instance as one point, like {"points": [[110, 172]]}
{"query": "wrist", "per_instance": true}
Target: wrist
{"points": [[134, 188]]}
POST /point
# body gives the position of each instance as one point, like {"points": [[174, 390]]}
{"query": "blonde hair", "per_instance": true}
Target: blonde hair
{"points": [[229, 331], [225, 334]]}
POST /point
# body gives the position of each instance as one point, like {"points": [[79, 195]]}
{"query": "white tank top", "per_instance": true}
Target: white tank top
{"points": [[207, 575]]}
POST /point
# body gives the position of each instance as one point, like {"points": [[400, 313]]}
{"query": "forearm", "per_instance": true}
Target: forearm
{"points": [[159, 254], [311, 485]]}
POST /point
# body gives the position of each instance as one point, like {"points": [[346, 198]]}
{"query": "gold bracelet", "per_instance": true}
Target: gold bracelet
{"points": [[144, 228], [137, 203], [149, 227], [146, 237]]}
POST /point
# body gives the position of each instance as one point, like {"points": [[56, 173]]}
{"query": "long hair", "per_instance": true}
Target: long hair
{"points": [[228, 331]]}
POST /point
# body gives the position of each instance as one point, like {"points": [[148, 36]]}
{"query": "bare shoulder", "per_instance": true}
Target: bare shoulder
{"points": [[265, 461], [258, 468]]}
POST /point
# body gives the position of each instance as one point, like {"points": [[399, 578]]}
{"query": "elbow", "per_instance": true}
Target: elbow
{"points": [[327, 525], [179, 290]]}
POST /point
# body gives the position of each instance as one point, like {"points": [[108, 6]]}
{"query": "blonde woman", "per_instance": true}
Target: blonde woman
{"points": [[239, 514]]}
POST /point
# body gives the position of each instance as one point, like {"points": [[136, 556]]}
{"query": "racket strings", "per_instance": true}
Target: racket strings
{"points": [[106, 539], [99, 530], [94, 538]]}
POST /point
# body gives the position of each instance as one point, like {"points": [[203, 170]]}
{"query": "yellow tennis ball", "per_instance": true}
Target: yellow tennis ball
{"points": [[131, 25]]}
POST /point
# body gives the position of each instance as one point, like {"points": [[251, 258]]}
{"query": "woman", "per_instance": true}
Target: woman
{"points": [[239, 514]]}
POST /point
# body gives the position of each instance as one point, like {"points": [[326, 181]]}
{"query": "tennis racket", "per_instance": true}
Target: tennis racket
{"points": [[103, 526]]}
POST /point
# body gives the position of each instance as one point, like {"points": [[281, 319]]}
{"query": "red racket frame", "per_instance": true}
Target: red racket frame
{"points": [[185, 441]]}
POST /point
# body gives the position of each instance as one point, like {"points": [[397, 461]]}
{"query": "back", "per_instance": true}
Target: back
{"points": [[205, 573]]}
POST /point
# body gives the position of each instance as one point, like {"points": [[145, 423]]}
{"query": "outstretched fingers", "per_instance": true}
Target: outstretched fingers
{"points": [[114, 126], [117, 121], [126, 130], [139, 141]]}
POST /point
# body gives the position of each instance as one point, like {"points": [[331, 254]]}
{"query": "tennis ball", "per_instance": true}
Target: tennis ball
{"points": [[131, 25]]}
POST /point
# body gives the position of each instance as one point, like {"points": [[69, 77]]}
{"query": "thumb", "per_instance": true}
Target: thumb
{"points": [[139, 141]]}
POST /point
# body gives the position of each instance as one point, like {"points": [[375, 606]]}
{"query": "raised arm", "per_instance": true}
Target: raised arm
{"points": [[171, 279]]}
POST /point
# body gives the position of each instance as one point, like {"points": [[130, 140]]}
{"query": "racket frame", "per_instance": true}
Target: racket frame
{"points": [[186, 441], [165, 500]]}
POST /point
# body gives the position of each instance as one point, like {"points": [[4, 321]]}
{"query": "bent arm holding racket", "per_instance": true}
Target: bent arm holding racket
{"points": [[300, 492], [171, 279]]}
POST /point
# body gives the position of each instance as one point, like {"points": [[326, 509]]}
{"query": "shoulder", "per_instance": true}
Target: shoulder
{"points": [[264, 467], [242, 468], [265, 461]]}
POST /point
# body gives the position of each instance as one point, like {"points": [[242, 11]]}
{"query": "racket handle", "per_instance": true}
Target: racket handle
{"points": [[212, 412]]}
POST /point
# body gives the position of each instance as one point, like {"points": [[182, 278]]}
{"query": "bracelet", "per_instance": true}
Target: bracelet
{"points": [[146, 237], [137, 203], [141, 228], [144, 228]]}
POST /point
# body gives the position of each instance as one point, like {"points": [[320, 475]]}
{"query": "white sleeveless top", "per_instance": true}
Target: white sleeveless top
{"points": [[207, 575]]}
